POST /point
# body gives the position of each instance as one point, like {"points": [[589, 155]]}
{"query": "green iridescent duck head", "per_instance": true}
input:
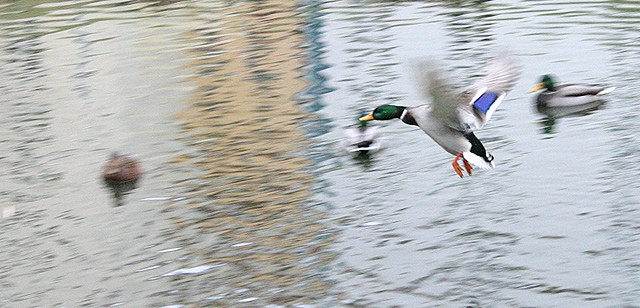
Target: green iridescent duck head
{"points": [[546, 82], [384, 112]]}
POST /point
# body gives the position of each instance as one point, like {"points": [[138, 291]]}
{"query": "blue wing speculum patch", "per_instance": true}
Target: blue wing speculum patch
{"points": [[484, 105], [487, 102], [484, 102]]}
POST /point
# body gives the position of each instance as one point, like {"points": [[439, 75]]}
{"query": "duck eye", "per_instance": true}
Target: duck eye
{"points": [[489, 157]]}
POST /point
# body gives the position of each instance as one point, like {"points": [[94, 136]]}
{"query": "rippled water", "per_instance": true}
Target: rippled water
{"points": [[236, 109]]}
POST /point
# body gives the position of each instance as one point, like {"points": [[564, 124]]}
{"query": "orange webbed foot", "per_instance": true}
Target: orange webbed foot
{"points": [[455, 165], [467, 166]]}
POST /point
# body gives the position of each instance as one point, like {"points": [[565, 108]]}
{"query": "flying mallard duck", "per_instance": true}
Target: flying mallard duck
{"points": [[454, 114], [121, 169], [362, 139], [564, 95]]}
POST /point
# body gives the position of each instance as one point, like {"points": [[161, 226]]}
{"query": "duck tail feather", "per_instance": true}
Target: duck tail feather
{"points": [[478, 161], [606, 90]]}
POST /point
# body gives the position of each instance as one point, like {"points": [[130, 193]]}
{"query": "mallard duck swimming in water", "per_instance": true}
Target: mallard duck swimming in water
{"points": [[362, 139], [453, 115], [121, 169], [564, 95]]}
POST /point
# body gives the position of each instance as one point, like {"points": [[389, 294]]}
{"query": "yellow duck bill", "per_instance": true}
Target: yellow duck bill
{"points": [[535, 88], [368, 117]]}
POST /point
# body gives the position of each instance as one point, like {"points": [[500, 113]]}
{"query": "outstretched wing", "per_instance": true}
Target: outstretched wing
{"points": [[472, 108], [435, 85], [501, 75], [484, 96]]}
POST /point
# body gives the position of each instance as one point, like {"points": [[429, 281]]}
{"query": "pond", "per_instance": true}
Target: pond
{"points": [[236, 111]]}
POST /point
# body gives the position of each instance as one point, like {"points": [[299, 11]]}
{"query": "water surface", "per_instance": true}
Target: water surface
{"points": [[236, 109]]}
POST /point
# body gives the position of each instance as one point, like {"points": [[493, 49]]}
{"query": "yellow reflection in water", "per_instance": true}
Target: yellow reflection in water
{"points": [[244, 121]]}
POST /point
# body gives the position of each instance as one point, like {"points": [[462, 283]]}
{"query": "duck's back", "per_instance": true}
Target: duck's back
{"points": [[453, 141], [570, 95]]}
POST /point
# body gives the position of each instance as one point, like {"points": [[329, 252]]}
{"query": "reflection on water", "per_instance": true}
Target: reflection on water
{"points": [[254, 197], [521, 235], [224, 215], [120, 191], [553, 114], [470, 36], [234, 109]]}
